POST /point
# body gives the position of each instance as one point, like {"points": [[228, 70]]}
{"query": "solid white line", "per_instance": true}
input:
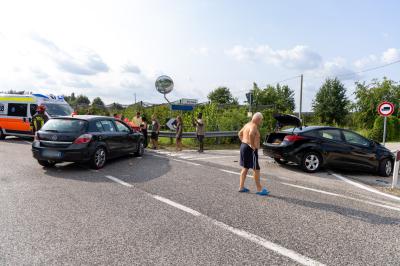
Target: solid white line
{"points": [[186, 157], [365, 187], [236, 173], [182, 161], [212, 157], [246, 235], [177, 205], [342, 196], [118, 181]]}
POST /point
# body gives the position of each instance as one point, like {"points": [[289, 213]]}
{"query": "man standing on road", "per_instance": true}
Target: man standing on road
{"points": [[199, 124], [250, 137], [155, 131], [39, 119]]}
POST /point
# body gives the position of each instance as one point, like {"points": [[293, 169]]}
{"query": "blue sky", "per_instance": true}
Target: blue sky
{"points": [[114, 49]]}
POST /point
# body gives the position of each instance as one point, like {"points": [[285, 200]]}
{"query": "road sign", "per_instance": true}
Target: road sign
{"points": [[386, 108], [180, 107], [170, 123], [186, 101]]}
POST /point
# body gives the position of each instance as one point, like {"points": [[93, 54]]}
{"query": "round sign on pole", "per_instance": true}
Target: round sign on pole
{"points": [[386, 108]]}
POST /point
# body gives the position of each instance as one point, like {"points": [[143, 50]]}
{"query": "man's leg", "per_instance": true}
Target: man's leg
{"points": [[256, 177], [243, 175]]}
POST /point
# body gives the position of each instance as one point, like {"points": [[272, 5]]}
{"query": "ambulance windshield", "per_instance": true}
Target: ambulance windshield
{"points": [[54, 109]]}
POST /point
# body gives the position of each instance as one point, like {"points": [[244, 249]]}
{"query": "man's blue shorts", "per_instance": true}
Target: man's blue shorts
{"points": [[248, 157]]}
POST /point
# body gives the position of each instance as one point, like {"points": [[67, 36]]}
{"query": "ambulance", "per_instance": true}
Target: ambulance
{"points": [[16, 112]]}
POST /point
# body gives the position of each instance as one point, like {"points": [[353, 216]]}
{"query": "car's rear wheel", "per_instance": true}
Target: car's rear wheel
{"points": [[99, 158], [2, 135], [140, 150], [280, 161], [47, 163], [311, 162], [385, 167]]}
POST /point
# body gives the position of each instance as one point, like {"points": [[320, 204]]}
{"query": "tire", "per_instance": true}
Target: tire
{"points": [[2, 135], [99, 158], [47, 163], [385, 167], [140, 149], [280, 161], [311, 162]]}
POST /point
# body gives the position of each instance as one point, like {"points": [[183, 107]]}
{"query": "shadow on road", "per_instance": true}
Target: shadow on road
{"points": [[347, 212], [22, 141], [129, 169]]}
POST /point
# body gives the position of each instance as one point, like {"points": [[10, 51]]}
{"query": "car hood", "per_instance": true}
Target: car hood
{"points": [[287, 120]]}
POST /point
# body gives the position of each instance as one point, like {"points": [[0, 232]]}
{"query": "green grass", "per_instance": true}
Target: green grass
{"points": [[191, 144]]}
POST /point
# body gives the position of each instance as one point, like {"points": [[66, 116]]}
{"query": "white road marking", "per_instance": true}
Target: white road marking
{"points": [[356, 184], [343, 196], [246, 235], [28, 142], [236, 173], [186, 157], [182, 161], [118, 181], [212, 157]]}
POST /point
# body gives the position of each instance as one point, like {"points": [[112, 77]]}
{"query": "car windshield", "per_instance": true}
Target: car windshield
{"points": [[54, 109], [65, 125]]}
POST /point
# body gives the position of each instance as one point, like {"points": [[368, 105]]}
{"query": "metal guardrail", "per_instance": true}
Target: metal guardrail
{"points": [[192, 135]]}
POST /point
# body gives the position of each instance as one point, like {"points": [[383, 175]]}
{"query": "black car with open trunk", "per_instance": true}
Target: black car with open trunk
{"points": [[91, 139], [313, 147]]}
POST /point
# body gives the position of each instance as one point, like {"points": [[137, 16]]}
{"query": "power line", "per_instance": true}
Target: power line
{"points": [[368, 69]]}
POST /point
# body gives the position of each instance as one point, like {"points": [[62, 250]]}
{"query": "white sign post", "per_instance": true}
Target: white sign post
{"points": [[385, 109], [396, 169]]}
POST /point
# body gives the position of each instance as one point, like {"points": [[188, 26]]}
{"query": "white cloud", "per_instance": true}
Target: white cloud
{"points": [[366, 61], [390, 55], [299, 57], [203, 51], [131, 68]]}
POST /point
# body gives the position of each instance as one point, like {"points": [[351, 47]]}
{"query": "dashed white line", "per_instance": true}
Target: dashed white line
{"points": [[356, 184], [118, 181], [246, 235], [343, 196]]}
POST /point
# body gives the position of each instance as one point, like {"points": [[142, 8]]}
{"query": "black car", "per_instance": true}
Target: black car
{"points": [[316, 146], [82, 138]]}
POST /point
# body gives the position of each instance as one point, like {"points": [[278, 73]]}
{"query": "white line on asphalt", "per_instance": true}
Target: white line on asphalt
{"points": [[236, 173], [365, 187], [186, 157], [342, 196], [246, 235], [212, 157], [28, 142], [177, 205], [118, 181], [182, 161]]}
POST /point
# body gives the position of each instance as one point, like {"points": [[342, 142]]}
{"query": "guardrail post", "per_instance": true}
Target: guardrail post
{"points": [[396, 169]]}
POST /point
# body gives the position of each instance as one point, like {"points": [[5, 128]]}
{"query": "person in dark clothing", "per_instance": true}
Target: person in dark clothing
{"points": [[200, 131], [39, 119], [155, 131], [143, 129], [179, 133]]}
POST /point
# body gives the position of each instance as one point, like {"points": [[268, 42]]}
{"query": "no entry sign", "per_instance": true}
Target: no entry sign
{"points": [[386, 108]]}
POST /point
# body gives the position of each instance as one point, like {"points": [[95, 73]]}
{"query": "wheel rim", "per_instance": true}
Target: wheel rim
{"points": [[388, 167], [312, 162], [100, 157]]}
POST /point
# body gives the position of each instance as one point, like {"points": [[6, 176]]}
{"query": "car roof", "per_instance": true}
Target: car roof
{"points": [[86, 117], [309, 128]]}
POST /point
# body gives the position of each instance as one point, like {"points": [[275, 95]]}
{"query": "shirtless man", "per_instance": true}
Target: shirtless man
{"points": [[250, 137]]}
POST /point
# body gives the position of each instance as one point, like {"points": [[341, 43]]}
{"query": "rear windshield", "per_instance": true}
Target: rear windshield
{"points": [[54, 109], [65, 125]]}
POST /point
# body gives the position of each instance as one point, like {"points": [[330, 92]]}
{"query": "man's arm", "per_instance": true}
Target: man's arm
{"points": [[240, 134], [252, 135]]}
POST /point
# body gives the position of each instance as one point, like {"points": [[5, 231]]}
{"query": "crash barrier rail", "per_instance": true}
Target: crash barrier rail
{"points": [[396, 168], [192, 135]]}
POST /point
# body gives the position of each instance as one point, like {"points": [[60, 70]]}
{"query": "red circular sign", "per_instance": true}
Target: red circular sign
{"points": [[386, 108]]}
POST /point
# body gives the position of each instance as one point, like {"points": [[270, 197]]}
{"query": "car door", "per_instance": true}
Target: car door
{"points": [[17, 122], [360, 153], [332, 146], [127, 136], [111, 137]]}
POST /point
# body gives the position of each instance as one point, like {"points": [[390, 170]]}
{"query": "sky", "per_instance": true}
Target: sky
{"points": [[116, 49]]}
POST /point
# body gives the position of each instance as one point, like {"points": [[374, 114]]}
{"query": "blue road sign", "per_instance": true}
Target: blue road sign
{"points": [[181, 107]]}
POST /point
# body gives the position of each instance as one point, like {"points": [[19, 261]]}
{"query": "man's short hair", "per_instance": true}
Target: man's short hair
{"points": [[258, 115]]}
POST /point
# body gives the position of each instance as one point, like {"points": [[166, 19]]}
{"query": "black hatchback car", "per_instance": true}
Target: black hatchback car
{"points": [[316, 146], [91, 139]]}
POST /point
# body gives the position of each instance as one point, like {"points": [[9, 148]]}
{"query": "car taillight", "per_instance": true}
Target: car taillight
{"points": [[83, 139], [293, 138]]}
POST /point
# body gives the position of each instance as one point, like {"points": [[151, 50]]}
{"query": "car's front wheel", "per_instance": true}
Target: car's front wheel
{"points": [[140, 150], [385, 167], [311, 162], [47, 163], [99, 158]]}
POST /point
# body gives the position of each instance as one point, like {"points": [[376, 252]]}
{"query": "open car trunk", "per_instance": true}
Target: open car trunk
{"points": [[276, 138]]}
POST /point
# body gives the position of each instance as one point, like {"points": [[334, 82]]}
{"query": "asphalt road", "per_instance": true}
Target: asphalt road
{"points": [[184, 209]]}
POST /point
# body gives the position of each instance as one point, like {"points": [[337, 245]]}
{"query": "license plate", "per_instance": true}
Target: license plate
{"points": [[51, 154]]}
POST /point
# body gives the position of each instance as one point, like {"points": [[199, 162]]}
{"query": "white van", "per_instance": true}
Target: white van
{"points": [[16, 112]]}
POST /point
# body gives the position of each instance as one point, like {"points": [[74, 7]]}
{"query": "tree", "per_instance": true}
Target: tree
{"points": [[116, 106], [331, 104], [82, 100], [70, 99], [98, 102], [279, 98], [222, 95]]}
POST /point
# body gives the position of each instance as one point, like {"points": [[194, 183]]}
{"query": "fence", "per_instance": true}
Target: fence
{"points": [[192, 135]]}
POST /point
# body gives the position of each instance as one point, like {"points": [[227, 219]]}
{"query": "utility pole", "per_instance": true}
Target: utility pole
{"points": [[301, 96], [135, 97]]}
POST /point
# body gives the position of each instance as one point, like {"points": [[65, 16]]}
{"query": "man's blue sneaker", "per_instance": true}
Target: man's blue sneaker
{"points": [[244, 190], [263, 192]]}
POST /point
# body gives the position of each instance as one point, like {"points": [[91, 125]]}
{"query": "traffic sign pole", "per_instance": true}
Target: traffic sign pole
{"points": [[384, 130], [385, 109]]}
